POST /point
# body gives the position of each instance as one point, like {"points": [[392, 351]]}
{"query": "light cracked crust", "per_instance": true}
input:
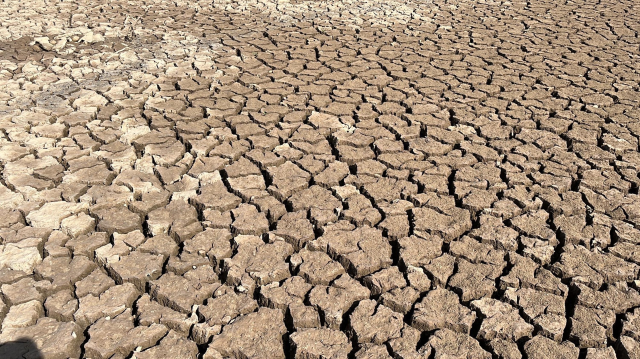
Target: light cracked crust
{"points": [[319, 179]]}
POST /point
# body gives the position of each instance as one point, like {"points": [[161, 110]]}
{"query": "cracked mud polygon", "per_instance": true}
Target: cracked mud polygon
{"points": [[319, 179]]}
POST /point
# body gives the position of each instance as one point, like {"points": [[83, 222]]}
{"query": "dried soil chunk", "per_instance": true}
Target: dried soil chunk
{"points": [[63, 272], [478, 201], [441, 269], [361, 251], [22, 259], [544, 348], [360, 211], [295, 228], [151, 312], [352, 155], [253, 336], [138, 182], [372, 351], [405, 346], [165, 154], [505, 349], [12, 276], [192, 266], [449, 225], [629, 347], [171, 346], [61, 306], [593, 268], [333, 301], [441, 309], [221, 310], [213, 243], [475, 281], [150, 201], [628, 251], [97, 174], [476, 252], [216, 196], [351, 139], [132, 239], [201, 333], [385, 280], [534, 224], [263, 262], [372, 323], [178, 219], [241, 168], [417, 251], [9, 217], [112, 302], [320, 202], [395, 227], [401, 299], [303, 316], [53, 339], [95, 283], [619, 299], [25, 290], [111, 253], [247, 220], [118, 220], [78, 224], [287, 179], [604, 353], [448, 344], [433, 183], [180, 293], [631, 324], [86, 245], [51, 214], [503, 209], [271, 207], [332, 175], [500, 320], [293, 291], [161, 244], [371, 168], [23, 315], [316, 267], [319, 344], [137, 268], [591, 327], [389, 189], [525, 273], [248, 187], [545, 310], [118, 335]]}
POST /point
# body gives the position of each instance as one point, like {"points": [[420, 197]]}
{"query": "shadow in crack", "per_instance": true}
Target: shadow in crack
{"points": [[21, 348]]}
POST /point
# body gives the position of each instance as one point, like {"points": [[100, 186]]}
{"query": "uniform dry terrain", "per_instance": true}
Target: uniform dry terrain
{"points": [[363, 179]]}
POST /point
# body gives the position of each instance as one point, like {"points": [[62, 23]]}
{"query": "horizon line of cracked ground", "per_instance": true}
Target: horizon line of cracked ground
{"points": [[319, 179]]}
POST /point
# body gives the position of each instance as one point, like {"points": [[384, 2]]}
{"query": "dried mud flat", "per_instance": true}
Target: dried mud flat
{"points": [[319, 179]]}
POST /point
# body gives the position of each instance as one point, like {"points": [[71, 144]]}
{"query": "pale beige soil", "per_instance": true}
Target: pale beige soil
{"points": [[319, 179]]}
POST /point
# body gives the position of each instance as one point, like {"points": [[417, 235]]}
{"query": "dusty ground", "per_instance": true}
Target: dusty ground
{"points": [[319, 179]]}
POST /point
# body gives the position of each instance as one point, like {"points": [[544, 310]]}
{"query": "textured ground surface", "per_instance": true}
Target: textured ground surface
{"points": [[319, 179]]}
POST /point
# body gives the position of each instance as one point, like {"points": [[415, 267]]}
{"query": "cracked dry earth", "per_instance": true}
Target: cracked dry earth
{"points": [[320, 179]]}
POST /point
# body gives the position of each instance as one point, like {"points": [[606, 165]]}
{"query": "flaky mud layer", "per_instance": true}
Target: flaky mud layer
{"points": [[319, 179]]}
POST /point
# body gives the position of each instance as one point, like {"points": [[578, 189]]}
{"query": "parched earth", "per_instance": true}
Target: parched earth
{"points": [[368, 179]]}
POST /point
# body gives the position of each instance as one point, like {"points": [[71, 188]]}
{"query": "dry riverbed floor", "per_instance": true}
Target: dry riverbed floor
{"points": [[266, 179]]}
